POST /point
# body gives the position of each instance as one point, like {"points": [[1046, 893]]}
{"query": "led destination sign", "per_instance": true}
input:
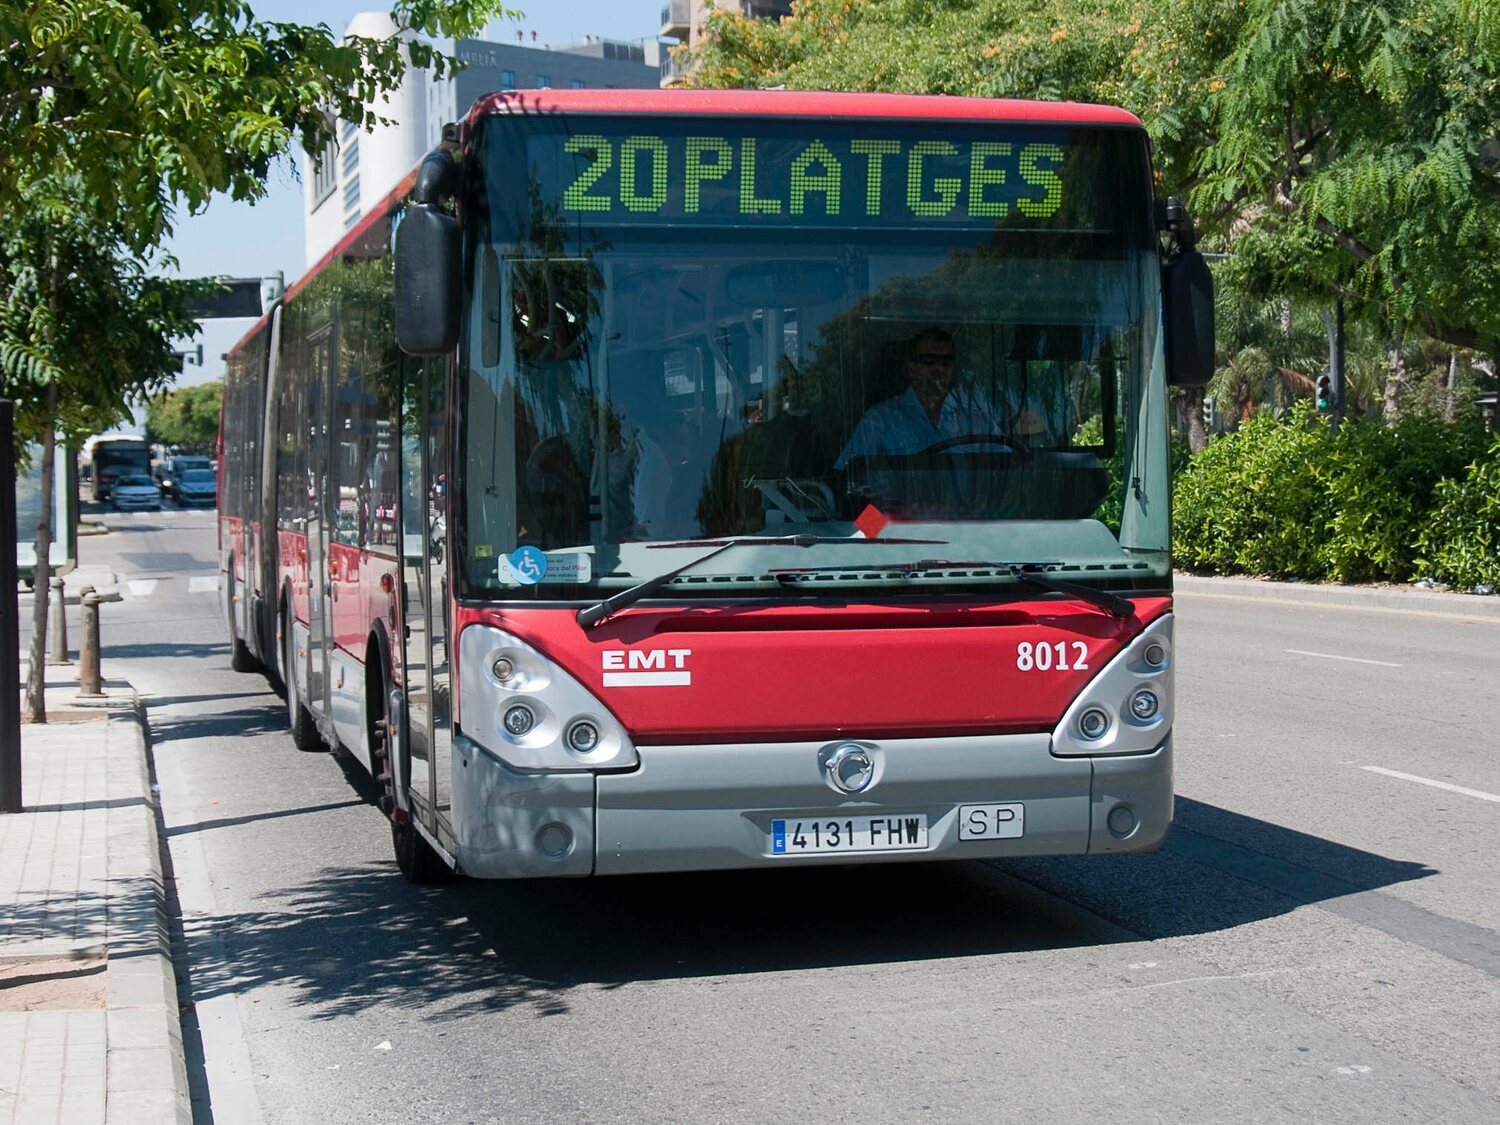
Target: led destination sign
{"points": [[658, 173]]}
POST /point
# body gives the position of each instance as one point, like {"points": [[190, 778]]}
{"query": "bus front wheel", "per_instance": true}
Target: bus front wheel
{"points": [[416, 859]]}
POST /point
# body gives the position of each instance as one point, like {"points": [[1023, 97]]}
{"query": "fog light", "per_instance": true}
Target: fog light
{"points": [[583, 737], [554, 840], [1122, 821], [1156, 655], [1144, 705], [1093, 723], [519, 720], [504, 669]]}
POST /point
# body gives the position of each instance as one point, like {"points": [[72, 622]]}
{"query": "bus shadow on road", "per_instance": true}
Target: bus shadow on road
{"points": [[473, 946], [215, 724], [157, 650]]}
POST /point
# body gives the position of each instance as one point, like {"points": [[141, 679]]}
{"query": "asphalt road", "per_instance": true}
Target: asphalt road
{"points": [[1319, 940]]}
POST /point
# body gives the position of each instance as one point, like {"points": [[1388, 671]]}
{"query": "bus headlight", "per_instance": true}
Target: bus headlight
{"points": [[583, 736], [527, 711], [1144, 705], [1127, 707], [1093, 723], [519, 720]]}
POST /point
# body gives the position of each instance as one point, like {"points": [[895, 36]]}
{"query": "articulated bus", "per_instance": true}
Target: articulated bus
{"points": [[675, 480]]}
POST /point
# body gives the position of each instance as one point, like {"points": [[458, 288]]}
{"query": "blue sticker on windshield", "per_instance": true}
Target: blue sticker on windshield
{"points": [[528, 565]]}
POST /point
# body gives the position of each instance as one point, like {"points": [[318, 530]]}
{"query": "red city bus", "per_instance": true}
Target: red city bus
{"points": [[670, 480]]}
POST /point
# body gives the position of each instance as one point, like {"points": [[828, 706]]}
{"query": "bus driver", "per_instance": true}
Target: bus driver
{"points": [[931, 410]]}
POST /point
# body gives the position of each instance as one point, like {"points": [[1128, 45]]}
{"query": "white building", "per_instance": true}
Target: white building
{"points": [[360, 169]]}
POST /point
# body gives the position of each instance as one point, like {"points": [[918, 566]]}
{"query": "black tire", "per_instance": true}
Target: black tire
{"points": [[415, 857], [305, 734], [241, 659]]}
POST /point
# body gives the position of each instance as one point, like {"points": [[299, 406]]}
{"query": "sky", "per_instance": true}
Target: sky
{"points": [[239, 240]]}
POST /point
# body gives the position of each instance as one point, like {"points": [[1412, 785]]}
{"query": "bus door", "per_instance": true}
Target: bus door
{"points": [[427, 769], [322, 503]]}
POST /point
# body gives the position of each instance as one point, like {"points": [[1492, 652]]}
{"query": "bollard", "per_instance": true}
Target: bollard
{"points": [[59, 624], [89, 683]]}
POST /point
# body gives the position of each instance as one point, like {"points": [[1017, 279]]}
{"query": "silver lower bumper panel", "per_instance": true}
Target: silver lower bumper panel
{"points": [[690, 808]]}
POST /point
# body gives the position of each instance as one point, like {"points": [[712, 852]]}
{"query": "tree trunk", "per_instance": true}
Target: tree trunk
{"points": [[36, 675], [1281, 393], [1191, 401], [1395, 376], [1450, 400]]}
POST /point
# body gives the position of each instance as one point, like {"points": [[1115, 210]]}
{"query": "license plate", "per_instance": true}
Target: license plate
{"points": [[892, 833], [991, 822]]}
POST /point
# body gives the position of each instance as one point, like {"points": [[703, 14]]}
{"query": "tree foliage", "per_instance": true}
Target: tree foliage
{"points": [[187, 418], [114, 114], [80, 313], [1337, 147], [153, 105], [1354, 152]]}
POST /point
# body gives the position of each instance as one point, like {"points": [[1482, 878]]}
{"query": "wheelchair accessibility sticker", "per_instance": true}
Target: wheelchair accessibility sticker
{"points": [[528, 566]]}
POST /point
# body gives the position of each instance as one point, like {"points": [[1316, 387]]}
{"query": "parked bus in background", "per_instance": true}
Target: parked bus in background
{"points": [[109, 455], [761, 478]]}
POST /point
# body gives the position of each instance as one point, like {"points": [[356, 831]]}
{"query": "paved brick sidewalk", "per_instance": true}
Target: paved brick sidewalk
{"points": [[89, 1030]]}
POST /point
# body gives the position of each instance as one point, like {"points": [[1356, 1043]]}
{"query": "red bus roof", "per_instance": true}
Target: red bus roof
{"points": [[798, 103]]}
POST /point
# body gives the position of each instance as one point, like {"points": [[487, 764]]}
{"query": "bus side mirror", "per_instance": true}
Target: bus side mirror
{"points": [[1188, 308], [428, 298]]}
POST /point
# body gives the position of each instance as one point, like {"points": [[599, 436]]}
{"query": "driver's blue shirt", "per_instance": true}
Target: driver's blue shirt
{"points": [[900, 426]]}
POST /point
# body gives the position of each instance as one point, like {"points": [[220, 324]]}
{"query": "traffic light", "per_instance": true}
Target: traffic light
{"points": [[1324, 394]]}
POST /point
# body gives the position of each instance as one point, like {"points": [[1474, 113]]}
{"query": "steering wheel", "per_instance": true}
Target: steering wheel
{"points": [[994, 440]]}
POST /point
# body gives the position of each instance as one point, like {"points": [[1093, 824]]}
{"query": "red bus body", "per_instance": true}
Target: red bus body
{"points": [[349, 485]]}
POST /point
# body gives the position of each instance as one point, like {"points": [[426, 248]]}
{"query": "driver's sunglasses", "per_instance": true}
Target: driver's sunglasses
{"points": [[933, 359]]}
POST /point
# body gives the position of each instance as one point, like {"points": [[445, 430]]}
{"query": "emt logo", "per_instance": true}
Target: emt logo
{"points": [[658, 667]]}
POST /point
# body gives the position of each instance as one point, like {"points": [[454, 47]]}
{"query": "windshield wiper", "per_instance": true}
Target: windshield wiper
{"points": [[1028, 573], [1034, 574], [594, 614]]}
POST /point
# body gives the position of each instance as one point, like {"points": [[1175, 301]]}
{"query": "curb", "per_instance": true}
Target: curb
{"points": [[1348, 597], [145, 1066]]}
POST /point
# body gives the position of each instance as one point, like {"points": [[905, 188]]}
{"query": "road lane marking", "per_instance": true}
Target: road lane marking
{"points": [[1331, 656], [203, 585], [142, 587], [1483, 796]]}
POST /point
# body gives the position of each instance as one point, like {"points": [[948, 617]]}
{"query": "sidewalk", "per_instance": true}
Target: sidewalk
{"points": [[1410, 599], [89, 1028]]}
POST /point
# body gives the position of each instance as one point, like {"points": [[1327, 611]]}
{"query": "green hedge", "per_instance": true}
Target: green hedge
{"points": [[1461, 542], [1289, 498]]}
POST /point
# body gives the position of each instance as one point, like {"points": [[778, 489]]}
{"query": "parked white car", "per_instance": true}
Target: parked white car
{"points": [[135, 492]]}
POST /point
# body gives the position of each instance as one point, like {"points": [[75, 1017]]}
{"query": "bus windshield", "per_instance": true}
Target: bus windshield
{"points": [[941, 335]]}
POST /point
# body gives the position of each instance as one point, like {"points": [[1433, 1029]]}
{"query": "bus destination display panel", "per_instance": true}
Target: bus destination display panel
{"points": [[712, 173]]}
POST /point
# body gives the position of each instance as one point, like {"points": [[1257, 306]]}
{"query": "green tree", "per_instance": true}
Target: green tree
{"points": [[1355, 155], [1338, 149], [85, 333], [186, 418], [114, 114], [159, 105]]}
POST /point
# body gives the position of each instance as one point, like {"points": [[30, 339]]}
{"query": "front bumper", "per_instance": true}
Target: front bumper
{"points": [[691, 808]]}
